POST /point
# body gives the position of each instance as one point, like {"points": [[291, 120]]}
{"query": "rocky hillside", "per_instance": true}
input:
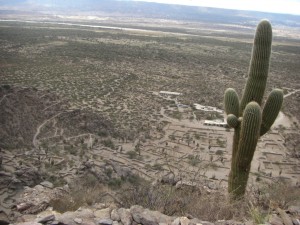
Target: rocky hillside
{"points": [[104, 214], [21, 111], [26, 114], [32, 123], [61, 165]]}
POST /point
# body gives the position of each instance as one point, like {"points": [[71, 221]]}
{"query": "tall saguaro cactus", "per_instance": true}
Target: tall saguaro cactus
{"points": [[247, 117]]}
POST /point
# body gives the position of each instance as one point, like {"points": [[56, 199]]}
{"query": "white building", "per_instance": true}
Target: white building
{"points": [[215, 123], [207, 108], [169, 93]]}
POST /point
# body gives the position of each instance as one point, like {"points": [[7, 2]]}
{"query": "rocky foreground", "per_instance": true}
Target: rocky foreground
{"points": [[34, 210]]}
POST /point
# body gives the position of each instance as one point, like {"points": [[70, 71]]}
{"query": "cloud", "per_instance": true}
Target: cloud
{"points": [[277, 6]]}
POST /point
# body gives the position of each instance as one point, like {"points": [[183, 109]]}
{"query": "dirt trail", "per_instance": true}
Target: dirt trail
{"points": [[293, 92], [282, 119], [4, 97], [38, 130]]}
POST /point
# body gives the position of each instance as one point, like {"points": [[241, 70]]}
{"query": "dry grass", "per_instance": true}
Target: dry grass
{"points": [[211, 205], [183, 201], [276, 194], [84, 192], [186, 200]]}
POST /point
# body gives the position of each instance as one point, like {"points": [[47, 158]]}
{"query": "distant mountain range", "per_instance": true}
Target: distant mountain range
{"points": [[148, 10]]}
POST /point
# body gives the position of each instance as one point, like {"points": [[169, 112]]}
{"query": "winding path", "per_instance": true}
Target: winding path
{"points": [[293, 92], [38, 130]]}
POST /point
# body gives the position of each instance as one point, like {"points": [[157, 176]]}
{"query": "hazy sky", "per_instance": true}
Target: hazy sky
{"points": [[277, 6]]}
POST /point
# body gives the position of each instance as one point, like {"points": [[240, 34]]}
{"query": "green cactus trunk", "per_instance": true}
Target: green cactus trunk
{"points": [[259, 66], [246, 116]]}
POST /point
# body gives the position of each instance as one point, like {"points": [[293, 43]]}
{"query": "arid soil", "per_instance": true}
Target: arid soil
{"points": [[79, 99]]}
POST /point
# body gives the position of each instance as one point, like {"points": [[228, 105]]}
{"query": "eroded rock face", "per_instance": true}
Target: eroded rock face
{"points": [[133, 216], [102, 174], [36, 199], [28, 176], [22, 110], [106, 216], [11, 185]]}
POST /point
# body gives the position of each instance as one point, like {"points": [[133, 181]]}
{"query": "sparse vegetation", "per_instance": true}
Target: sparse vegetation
{"points": [[106, 85], [86, 191], [108, 143], [157, 166], [132, 154], [193, 160]]}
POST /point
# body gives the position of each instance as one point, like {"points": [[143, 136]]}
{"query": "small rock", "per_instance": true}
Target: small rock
{"points": [[184, 221], [285, 217], [136, 211], [147, 219], [161, 218], [105, 222], [68, 217], [78, 220], [189, 216], [114, 215], [195, 221], [125, 216], [38, 188], [275, 220], [176, 221], [209, 223], [47, 184], [294, 210], [24, 218], [170, 178], [24, 206], [296, 221], [102, 213], [29, 223], [47, 219], [99, 206]]}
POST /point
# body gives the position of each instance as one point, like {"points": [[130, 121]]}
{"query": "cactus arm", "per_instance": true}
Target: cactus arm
{"points": [[259, 65], [241, 163], [271, 110], [233, 121], [235, 146], [231, 102]]}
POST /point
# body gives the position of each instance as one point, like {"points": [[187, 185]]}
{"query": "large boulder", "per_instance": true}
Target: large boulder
{"points": [[36, 199], [125, 216], [147, 217]]}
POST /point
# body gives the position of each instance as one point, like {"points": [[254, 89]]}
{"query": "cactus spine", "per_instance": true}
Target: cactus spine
{"points": [[246, 116]]}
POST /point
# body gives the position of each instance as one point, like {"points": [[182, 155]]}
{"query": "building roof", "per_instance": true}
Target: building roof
{"points": [[170, 93]]}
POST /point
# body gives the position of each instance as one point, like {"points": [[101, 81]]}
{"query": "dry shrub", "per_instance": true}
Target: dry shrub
{"points": [[277, 194], [264, 198], [163, 198], [186, 200], [216, 206], [183, 201], [257, 214], [83, 192]]}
